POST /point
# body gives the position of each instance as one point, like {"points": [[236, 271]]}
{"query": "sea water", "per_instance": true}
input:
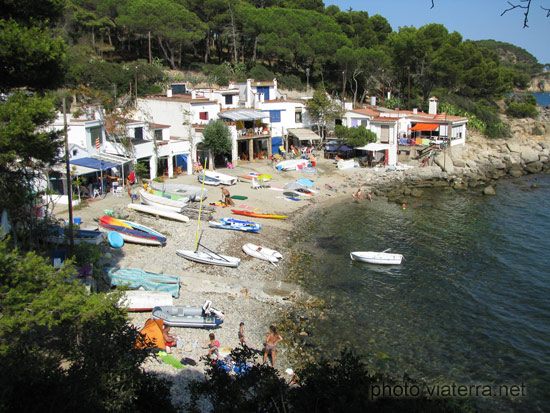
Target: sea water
{"points": [[469, 305], [543, 99]]}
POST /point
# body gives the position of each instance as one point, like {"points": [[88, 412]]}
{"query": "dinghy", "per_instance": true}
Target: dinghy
{"points": [[147, 209], [228, 223], [374, 257], [208, 257], [262, 253], [161, 202], [223, 178], [189, 316], [131, 231], [149, 281], [203, 179]]}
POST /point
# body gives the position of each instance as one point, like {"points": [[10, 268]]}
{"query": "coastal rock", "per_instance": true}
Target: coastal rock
{"points": [[460, 163], [529, 155], [515, 171], [489, 190], [513, 146], [534, 167], [417, 193], [445, 162]]}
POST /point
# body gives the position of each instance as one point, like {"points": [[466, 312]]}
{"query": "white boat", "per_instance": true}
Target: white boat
{"points": [[189, 316], [223, 178], [262, 253], [207, 180], [161, 202], [291, 164], [141, 300], [193, 192], [374, 257], [148, 209], [346, 164], [207, 257]]}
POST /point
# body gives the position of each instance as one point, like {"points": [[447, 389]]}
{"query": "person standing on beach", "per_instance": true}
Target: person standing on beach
{"points": [[226, 197], [213, 346], [273, 338], [169, 339], [241, 334]]}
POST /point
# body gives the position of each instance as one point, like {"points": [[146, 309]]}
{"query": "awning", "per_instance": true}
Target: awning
{"points": [[304, 134], [95, 164], [425, 127], [374, 147], [243, 114]]}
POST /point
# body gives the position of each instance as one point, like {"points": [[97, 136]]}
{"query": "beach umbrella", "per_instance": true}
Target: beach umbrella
{"points": [[305, 182], [294, 185]]}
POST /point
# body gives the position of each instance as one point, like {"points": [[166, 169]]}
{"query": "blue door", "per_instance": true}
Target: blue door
{"points": [[264, 90]]}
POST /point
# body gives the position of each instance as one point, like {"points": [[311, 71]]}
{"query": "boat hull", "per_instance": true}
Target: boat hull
{"points": [[161, 202], [132, 232], [263, 253], [235, 226], [258, 214], [187, 316], [205, 257], [80, 236], [222, 178], [148, 209], [373, 257], [193, 192]]}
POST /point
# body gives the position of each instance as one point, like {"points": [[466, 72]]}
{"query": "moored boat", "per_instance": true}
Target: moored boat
{"points": [[148, 209], [189, 316], [162, 202], [374, 257], [258, 214], [222, 178], [208, 257], [263, 253], [132, 231]]}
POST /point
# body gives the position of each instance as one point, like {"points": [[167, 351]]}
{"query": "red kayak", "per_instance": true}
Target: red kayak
{"points": [[258, 214]]}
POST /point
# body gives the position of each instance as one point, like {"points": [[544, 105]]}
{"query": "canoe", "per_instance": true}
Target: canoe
{"points": [[147, 209], [258, 214], [193, 192], [169, 195], [189, 316], [374, 257], [131, 231], [161, 202], [235, 226], [291, 164], [141, 300], [207, 257], [223, 178], [149, 281], [80, 236], [262, 253]]}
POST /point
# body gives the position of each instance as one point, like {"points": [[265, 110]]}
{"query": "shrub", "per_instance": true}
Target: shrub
{"points": [[291, 82], [260, 72], [521, 110]]}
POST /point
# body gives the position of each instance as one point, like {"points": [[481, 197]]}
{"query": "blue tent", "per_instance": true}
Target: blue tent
{"points": [[94, 163]]}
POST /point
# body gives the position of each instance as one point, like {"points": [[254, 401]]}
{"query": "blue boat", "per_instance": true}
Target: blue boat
{"points": [[235, 224], [240, 222], [149, 281]]}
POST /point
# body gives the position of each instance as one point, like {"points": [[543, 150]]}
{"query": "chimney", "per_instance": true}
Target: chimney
{"points": [[373, 100], [193, 94], [415, 111], [433, 106], [275, 83], [248, 93], [169, 92]]}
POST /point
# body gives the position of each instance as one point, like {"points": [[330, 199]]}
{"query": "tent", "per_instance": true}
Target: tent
{"points": [[152, 332]]}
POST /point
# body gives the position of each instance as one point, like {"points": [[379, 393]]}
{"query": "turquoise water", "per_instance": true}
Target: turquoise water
{"points": [[543, 99], [471, 302]]}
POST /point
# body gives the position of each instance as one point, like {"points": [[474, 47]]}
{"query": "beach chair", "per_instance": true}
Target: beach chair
{"points": [[255, 185]]}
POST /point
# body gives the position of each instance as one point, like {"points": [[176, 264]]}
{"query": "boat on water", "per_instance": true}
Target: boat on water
{"points": [[258, 214], [375, 257], [263, 253], [148, 209], [193, 192], [189, 316], [59, 235], [245, 226], [149, 281], [209, 257], [132, 231], [162, 202], [142, 300]]}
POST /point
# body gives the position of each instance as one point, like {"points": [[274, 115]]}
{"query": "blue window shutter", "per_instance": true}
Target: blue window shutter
{"points": [[274, 116]]}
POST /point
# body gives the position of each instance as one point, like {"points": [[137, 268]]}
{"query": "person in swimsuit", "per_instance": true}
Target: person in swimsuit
{"points": [[226, 197], [169, 339], [213, 346], [273, 338], [241, 334]]}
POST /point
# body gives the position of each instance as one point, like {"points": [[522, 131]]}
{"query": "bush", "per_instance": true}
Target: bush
{"points": [[260, 72], [521, 110], [291, 82]]}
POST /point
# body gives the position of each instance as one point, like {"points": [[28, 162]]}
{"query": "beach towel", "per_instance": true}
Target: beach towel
{"points": [[170, 359]]}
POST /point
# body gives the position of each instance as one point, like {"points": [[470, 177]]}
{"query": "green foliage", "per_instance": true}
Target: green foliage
{"points": [[537, 131], [354, 137], [513, 56], [260, 72], [521, 110], [141, 170], [291, 82], [217, 137], [322, 109], [61, 347]]}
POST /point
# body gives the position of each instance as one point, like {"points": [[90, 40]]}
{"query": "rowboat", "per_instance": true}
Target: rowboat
{"points": [[147, 209], [262, 253], [80, 236], [189, 316], [374, 257], [258, 214], [291, 164], [208, 257], [161, 202], [234, 224], [207, 180], [131, 231], [191, 191], [149, 281], [141, 300], [169, 195], [223, 178]]}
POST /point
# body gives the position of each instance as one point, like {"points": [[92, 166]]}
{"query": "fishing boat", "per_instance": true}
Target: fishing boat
{"points": [[162, 202], [132, 231], [148, 209], [263, 253], [223, 178], [59, 235], [149, 281], [209, 257], [258, 214], [374, 257], [142, 300], [189, 316], [237, 225], [193, 192]]}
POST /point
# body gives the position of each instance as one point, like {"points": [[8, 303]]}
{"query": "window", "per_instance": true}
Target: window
{"points": [[364, 122], [203, 115], [385, 134], [298, 115], [138, 133], [354, 123], [95, 133], [274, 116], [228, 99], [75, 152], [158, 134]]}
